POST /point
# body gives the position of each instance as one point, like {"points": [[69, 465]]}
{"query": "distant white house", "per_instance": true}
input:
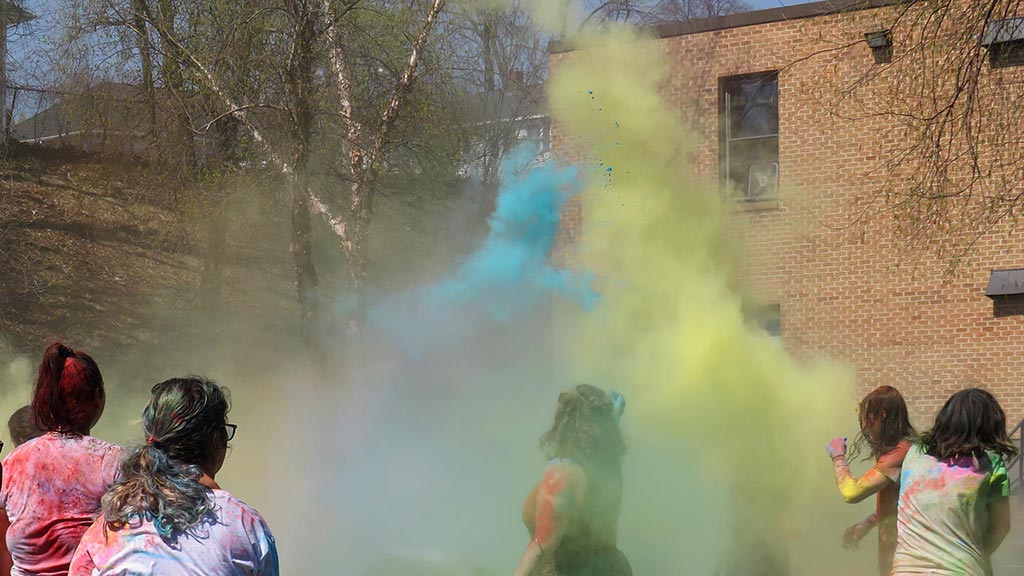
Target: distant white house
{"points": [[11, 14], [505, 119], [108, 117], [101, 117]]}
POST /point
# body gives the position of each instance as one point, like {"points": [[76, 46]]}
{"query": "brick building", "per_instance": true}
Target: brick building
{"points": [[844, 280]]}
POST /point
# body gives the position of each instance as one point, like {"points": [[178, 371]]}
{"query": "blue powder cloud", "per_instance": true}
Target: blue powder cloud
{"points": [[508, 275]]}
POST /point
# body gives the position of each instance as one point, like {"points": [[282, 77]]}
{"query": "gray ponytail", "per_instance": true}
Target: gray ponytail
{"points": [[160, 479]]}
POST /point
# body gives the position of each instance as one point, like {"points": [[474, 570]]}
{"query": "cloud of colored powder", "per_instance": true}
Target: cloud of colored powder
{"points": [[507, 276], [427, 431], [726, 428]]}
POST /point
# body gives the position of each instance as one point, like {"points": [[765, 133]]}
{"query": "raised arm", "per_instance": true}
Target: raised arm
{"points": [[557, 498], [853, 489]]}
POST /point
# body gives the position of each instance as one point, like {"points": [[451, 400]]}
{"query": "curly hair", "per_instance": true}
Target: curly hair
{"points": [[585, 429], [160, 479], [884, 422], [970, 423]]}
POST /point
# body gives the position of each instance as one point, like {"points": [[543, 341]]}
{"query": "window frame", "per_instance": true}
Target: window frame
{"points": [[725, 139]]}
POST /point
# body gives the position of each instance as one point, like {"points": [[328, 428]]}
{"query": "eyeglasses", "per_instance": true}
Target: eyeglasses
{"points": [[1, 444], [229, 429]]}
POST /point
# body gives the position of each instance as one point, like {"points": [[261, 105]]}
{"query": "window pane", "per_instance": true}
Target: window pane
{"points": [[745, 153], [754, 107]]}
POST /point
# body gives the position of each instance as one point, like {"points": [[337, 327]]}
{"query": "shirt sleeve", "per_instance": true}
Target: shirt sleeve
{"points": [[264, 548], [112, 466], [82, 563], [3, 488], [999, 479]]}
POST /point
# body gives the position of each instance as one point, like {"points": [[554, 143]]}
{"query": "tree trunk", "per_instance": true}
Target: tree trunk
{"points": [[306, 279], [145, 60], [212, 278], [300, 78], [174, 81], [493, 127]]}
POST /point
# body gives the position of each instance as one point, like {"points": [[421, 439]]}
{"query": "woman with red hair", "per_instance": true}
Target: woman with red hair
{"points": [[52, 485]]}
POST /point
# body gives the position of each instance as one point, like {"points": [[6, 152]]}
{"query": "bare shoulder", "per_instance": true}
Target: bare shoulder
{"points": [[563, 475]]}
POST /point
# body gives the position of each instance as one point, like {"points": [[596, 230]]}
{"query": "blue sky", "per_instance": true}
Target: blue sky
{"points": [[28, 59], [761, 4]]}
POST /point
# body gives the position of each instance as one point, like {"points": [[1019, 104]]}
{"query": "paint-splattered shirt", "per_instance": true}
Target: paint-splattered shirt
{"points": [[233, 541], [943, 514], [52, 487]]}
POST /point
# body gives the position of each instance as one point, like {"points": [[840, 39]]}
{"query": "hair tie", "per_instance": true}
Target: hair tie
{"points": [[152, 442], [618, 404]]}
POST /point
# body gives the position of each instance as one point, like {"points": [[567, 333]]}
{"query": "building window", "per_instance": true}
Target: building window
{"points": [[749, 125], [766, 317], [1006, 289], [1005, 42]]}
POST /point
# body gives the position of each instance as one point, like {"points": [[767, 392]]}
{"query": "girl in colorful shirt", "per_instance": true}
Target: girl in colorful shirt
{"points": [[885, 428], [954, 506], [573, 512], [52, 485], [168, 516]]}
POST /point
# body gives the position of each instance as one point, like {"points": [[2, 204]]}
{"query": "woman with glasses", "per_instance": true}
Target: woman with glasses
{"points": [[168, 515]]}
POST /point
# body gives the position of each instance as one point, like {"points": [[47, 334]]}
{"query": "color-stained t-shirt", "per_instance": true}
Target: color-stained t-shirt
{"points": [[943, 513], [233, 541], [889, 464], [5, 557], [52, 487]]}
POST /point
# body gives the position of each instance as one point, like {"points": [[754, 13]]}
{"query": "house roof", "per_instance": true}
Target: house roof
{"points": [[13, 14], [516, 102], [110, 107], [751, 18]]}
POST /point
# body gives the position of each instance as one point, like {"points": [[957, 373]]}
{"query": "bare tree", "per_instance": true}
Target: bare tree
{"points": [[649, 12], [505, 58], [952, 91], [314, 28]]}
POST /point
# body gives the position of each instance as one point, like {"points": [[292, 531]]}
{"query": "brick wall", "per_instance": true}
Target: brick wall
{"points": [[828, 252]]}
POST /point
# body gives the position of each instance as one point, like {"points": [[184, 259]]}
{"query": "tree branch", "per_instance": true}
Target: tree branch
{"points": [[403, 85]]}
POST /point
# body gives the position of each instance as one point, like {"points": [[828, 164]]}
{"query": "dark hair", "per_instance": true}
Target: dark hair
{"points": [[884, 422], [160, 479], [585, 429], [68, 391], [970, 423], [22, 426]]}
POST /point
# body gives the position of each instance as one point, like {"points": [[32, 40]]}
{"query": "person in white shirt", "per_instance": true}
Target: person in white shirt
{"points": [[168, 515]]}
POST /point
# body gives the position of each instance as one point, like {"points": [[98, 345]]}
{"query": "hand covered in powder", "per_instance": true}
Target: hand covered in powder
{"points": [[837, 447], [854, 534]]}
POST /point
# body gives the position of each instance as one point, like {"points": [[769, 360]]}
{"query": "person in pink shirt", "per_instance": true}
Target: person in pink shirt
{"points": [[22, 428], [168, 516], [52, 485]]}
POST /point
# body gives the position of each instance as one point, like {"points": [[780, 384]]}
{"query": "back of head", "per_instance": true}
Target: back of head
{"points": [[970, 423], [69, 394], [22, 426], [585, 428], [884, 420], [183, 423], [184, 415]]}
